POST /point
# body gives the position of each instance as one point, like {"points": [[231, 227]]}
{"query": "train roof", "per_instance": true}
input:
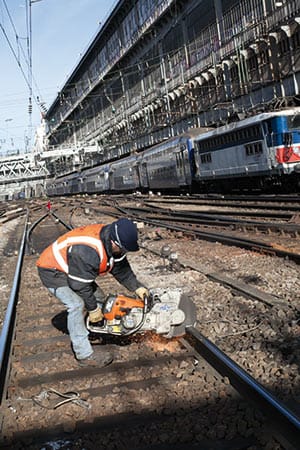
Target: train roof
{"points": [[64, 176], [93, 170], [192, 133], [249, 121], [122, 160], [69, 176]]}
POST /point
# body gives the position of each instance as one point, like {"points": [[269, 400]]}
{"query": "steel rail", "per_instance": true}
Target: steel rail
{"points": [[214, 217], [257, 198], [7, 331], [29, 232], [248, 244], [236, 286], [225, 203], [69, 227], [231, 213], [283, 420], [212, 214], [220, 221]]}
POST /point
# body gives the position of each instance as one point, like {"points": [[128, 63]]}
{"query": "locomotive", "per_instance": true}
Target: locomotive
{"points": [[262, 151], [259, 152]]}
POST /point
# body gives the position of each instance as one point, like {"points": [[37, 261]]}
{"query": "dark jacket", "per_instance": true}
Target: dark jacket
{"points": [[83, 262]]}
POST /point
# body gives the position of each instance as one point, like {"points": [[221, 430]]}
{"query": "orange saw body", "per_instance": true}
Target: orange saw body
{"points": [[120, 305]]}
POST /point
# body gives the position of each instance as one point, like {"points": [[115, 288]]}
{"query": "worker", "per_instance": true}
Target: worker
{"points": [[49, 205], [69, 267]]}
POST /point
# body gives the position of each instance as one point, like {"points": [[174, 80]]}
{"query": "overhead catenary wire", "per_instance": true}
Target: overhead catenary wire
{"points": [[29, 52], [14, 54], [24, 62], [29, 81]]}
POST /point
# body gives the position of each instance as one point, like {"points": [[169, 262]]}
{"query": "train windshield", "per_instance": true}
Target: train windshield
{"points": [[294, 122]]}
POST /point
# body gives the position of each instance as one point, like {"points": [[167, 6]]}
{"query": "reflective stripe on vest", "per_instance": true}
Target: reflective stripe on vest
{"points": [[82, 280], [73, 240]]}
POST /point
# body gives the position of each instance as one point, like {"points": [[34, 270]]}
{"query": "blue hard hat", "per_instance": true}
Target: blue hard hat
{"points": [[124, 233]]}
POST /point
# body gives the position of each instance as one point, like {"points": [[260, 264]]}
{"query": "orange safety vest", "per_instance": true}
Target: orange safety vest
{"points": [[55, 256]]}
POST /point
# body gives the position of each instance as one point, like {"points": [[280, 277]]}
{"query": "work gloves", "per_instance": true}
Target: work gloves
{"points": [[95, 315], [142, 292]]}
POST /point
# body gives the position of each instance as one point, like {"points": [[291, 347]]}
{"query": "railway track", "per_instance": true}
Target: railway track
{"points": [[191, 224], [167, 384], [280, 203]]}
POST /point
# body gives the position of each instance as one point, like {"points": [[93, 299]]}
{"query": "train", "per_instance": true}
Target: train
{"points": [[261, 152]]}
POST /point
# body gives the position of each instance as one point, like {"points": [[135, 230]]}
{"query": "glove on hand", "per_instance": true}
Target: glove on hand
{"points": [[95, 315], [142, 292]]}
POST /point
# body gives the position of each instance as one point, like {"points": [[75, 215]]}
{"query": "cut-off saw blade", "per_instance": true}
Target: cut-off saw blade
{"points": [[189, 308]]}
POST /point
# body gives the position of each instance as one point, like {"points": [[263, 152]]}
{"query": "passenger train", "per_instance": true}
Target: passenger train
{"points": [[260, 152]]}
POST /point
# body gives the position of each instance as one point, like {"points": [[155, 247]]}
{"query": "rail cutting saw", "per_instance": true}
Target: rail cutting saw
{"points": [[165, 312]]}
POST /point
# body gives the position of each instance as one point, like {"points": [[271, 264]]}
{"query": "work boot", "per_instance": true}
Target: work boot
{"points": [[96, 359]]}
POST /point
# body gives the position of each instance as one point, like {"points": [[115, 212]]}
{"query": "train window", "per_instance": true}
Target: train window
{"points": [[296, 40], [287, 139], [283, 46], [270, 128], [254, 131], [233, 137], [206, 158], [249, 150], [264, 57], [254, 149], [293, 122], [252, 62], [258, 147], [258, 131]]}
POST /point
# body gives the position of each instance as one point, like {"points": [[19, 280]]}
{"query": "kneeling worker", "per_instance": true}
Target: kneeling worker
{"points": [[69, 267]]}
